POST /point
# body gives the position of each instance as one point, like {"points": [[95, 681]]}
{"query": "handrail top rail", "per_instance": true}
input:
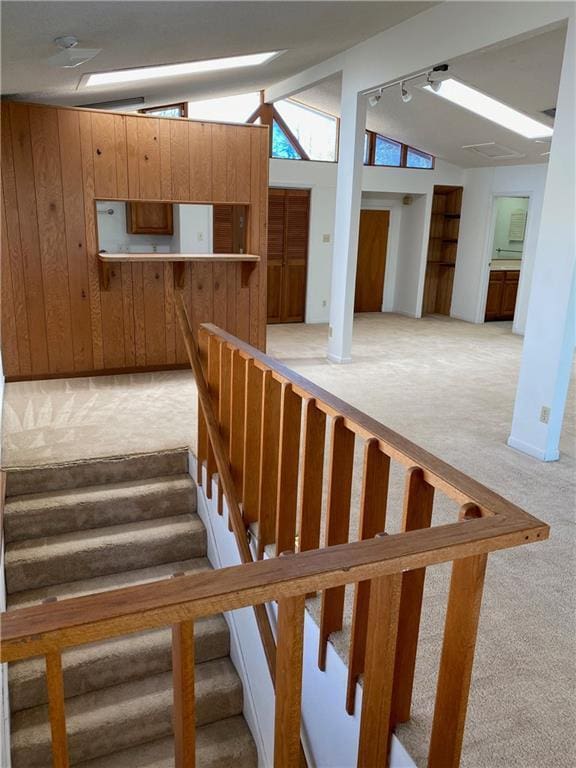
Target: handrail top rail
{"points": [[453, 482], [41, 629]]}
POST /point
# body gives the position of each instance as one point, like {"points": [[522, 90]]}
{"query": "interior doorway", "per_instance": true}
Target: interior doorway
{"points": [[288, 225], [510, 216], [371, 266]]}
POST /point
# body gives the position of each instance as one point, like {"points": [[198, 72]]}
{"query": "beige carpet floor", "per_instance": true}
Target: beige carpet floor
{"points": [[450, 387]]}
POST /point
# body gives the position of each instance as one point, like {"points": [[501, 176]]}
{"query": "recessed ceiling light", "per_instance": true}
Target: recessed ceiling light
{"points": [[491, 109], [174, 70]]}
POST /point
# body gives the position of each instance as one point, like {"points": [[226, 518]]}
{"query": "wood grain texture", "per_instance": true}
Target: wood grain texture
{"points": [[455, 675], [337, 525], [289, 682], [418, 506], [252, 437], [184, 711], [56, 710], [375, 477], [75, 228], [269, 452], [375, 732], [56, 162], [312, 475], [288, 461], [237, 421], [50, 213], [16, 335]]}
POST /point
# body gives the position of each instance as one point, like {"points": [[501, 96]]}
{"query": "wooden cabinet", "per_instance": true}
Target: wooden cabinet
{"points": [[502, 293], [149, 218]]}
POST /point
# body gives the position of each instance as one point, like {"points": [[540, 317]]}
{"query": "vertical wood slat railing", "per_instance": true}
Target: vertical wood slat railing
{"points": [[387, 571], [292, 417]]}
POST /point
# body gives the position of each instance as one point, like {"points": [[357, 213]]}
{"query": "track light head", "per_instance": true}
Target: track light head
{"points": [[434, 84], [374, 98], [406, 95]]}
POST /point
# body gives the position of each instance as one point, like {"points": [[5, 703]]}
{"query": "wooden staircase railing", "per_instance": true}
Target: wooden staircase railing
{"points": [[276, 425], [257, 402]]}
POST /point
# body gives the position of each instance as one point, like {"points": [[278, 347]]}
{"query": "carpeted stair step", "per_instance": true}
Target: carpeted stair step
{"points": [[32, 516], [69, 557], [106, 583], [82, 474], [119, 660], [218, 745], [122, 716]]}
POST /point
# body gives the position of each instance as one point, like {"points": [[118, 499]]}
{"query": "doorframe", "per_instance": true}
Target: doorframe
{"points": [[488, 253], [392, 246]]}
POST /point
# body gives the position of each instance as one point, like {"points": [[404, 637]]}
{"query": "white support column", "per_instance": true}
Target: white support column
{"points": [[550, 327], [347, 220]]}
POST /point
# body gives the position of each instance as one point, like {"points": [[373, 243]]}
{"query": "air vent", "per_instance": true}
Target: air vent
{"points": [[550, 112], [493, 150]]}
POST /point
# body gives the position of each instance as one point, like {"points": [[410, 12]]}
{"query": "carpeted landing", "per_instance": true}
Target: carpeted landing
{"points": [[76, 529]]}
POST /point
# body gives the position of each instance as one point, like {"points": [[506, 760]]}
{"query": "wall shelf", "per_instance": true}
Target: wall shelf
{"points": [[178, 260]]}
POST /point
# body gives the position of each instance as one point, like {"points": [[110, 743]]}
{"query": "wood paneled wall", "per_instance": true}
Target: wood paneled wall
{"points": [[55, 163]]}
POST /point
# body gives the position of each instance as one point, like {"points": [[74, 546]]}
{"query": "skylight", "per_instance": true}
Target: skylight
{"points": [[174, 70], [489, 108]]}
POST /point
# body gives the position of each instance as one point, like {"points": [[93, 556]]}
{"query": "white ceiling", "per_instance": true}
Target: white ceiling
{"points": [[135, 34], [523, 74]]}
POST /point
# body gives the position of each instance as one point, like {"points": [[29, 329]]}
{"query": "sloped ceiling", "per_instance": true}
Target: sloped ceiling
{"points": [[523, 74], [135, 34]]}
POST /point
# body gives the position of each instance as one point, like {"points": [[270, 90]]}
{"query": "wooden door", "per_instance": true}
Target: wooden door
{"points": [[372, 245], [288, 224]]}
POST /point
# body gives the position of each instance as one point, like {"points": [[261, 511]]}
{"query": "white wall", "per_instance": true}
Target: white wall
{"points": [[412, 255], [481, 186], [192, 231], [320, 178]]}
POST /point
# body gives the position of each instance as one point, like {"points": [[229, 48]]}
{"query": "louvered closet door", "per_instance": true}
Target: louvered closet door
{"points": [[288, 224], [229, 228]]}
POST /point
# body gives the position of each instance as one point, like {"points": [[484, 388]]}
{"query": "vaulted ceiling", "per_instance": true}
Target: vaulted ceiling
{"points": [[523, 74], [136, 34]]}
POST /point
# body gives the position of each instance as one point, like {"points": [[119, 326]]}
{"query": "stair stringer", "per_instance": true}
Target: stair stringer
{"points": [[329, 734]]}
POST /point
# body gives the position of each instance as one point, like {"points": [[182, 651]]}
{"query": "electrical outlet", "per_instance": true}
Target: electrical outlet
{"points": [[545, 414], [324, 303], [200, 237], [325, 238], [330, 331]]}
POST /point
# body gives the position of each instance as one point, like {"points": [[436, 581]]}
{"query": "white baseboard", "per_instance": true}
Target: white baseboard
{"points": [[329, 734]]}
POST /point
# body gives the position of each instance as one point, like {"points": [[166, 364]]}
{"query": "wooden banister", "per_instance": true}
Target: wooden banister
{"points": [[222, 464], [249, 422]]}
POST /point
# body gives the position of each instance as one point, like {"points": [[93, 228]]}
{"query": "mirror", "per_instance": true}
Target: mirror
{"points": [[147, 226]]}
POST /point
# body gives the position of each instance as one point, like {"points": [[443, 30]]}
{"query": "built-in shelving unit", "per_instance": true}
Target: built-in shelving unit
{"points": [[179, 261], [442, 249]]}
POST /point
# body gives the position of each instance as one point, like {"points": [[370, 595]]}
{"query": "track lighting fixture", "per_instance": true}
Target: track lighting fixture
{"points": [[406, 95], [435, 85], [374, 98]]}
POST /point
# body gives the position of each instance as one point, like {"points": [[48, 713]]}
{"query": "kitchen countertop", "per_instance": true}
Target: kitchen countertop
{"points": [[498, 265]]}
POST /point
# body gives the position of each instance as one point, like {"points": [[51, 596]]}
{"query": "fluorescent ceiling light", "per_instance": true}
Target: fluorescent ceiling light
{"points": [[485, 106], [175, 70]]}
